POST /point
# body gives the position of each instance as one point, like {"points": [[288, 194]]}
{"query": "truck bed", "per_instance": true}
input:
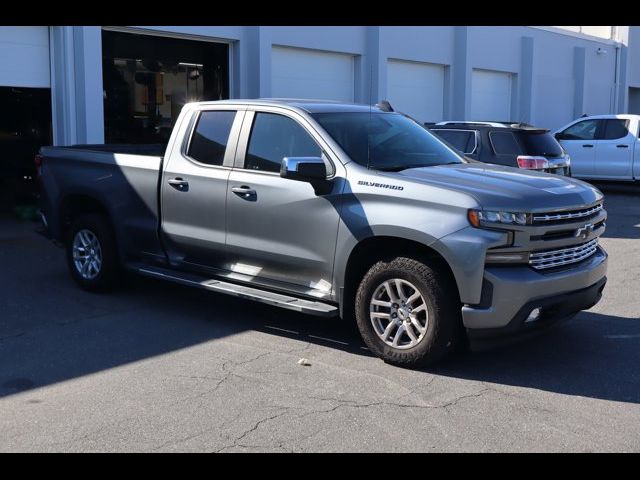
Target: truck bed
{"points": [[151, 149], [125, 178]]}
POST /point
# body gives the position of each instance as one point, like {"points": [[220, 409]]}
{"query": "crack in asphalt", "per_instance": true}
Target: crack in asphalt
{"points": [[342, 403], [253, 429]]}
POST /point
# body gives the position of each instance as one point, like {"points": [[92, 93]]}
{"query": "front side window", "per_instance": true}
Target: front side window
{"points": [[210, 137], [504, 143], [274, 137], [462, 140], [615, 128], [585, 130]]}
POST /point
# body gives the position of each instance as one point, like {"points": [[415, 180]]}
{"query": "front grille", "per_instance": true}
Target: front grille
{"points": [[563, 256], [560, 234], [545, 218]]}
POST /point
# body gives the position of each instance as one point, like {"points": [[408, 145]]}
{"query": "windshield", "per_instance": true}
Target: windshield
{"points": [[540, 144], [386, 141]]}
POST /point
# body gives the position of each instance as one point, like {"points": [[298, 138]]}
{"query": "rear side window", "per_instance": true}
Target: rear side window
{"points": [[462, 140], [504, 143], [615, 128], [209, 140], [540, 144], [585, 130], [274, 137]]}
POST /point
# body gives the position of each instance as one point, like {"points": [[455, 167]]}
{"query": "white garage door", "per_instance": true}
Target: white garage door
{"points": [[490, 95], [301, 73], [416, 89], [24, 57]]}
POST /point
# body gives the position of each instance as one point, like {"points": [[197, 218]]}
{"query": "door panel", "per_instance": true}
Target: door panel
{"points": [[280, 230], [194, 193], [614, 151], [579, 140], [583, 154], [284, 232]]}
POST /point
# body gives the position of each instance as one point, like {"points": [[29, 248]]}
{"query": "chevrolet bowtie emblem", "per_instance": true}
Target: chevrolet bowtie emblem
{"points": [[584, 231]]}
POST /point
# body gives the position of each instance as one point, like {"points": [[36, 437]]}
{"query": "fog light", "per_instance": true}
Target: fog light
{"points": [[534, 315]]}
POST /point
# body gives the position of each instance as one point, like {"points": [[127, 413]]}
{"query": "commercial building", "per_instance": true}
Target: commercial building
{"points": [[81, 84]]}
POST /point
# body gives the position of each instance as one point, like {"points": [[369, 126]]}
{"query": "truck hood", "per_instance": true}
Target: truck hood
{"points": [[505, 188]]}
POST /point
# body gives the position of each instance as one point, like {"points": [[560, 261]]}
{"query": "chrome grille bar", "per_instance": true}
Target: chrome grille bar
{"points": [[550, 217], [564, 256]]}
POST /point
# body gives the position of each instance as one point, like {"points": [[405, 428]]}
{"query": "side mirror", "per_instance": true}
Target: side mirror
{"points": [[558, 135], [303, 169]]}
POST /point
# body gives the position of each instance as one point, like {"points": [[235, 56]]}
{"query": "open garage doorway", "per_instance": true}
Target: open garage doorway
{"points": [[147, 79], [25, 126]]}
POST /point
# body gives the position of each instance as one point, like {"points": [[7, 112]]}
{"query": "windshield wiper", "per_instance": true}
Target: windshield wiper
{"points": [[399, 168], [395, 168]]}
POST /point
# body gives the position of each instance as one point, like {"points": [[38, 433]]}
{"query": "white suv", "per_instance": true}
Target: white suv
{"points": [[603, 147]]}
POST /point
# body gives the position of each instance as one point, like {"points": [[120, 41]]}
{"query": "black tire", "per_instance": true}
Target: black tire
{"points": [[109, 273], [444, 328]]}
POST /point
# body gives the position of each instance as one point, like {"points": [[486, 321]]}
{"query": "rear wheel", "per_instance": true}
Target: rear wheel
{"points": [[408, 313], [91, 253]]}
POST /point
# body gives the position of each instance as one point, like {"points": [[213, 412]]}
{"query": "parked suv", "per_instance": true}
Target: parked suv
{"points": [[512, 144]]}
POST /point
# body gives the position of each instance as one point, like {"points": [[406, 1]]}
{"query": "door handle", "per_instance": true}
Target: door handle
{"points": [[244, 191], [587, 146], [622, 146], [179, 183]]}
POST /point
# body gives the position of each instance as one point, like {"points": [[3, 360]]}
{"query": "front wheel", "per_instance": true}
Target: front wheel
{"points": [[408, 313], [91, 253]]}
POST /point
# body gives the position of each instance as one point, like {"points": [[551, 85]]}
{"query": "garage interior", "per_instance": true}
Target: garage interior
{"points": [[25, 126], [147, 79]]}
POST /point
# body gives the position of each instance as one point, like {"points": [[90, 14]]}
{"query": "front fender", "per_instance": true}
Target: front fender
{"points": [[465, 251]]}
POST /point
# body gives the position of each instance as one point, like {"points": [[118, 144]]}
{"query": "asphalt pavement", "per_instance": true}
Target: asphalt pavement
{"points": [[155, 366]]}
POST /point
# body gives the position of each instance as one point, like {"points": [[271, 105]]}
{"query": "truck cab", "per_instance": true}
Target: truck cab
{"points": [[603, 147]]}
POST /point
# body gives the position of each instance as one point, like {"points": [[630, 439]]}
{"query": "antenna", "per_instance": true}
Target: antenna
{"points": [[369, 123]]}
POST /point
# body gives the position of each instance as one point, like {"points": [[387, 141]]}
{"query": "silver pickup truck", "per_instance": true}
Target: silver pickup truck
{"points": [[333, 209]]}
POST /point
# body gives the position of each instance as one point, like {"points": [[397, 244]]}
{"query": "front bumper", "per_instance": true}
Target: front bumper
{"points": [[511, 293]]}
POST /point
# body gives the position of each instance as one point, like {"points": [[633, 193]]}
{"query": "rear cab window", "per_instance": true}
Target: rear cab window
{"points": [[210, 136], [615, 128]]}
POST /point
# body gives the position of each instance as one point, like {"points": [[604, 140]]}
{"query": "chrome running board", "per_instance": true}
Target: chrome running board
{"points": [[276, 299]]}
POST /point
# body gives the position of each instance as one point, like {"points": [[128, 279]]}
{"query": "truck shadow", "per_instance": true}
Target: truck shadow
{"points": [[593, 355]]}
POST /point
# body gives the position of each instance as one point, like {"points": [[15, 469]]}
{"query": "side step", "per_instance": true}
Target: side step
{"points": [[284, 301]]}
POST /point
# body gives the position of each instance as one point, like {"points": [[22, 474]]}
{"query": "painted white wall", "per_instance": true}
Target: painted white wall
{"points": [[24, 57], [634, 56], [551, 82], [602, 32], [417, 89]]}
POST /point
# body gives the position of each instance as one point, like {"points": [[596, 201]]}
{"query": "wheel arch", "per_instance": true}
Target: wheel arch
{"points": [[372, 249], [73, 205]]}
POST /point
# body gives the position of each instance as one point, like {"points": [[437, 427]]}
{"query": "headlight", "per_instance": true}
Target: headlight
{"points": [[478, 217]]}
